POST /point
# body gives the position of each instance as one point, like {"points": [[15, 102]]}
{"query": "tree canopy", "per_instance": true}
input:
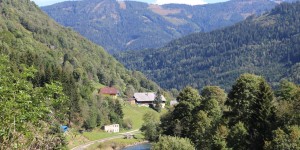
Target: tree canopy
{"points": [[251, 117]]}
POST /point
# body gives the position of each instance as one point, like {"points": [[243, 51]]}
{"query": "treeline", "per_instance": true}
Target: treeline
{"points": [[250, 116], [266, 45], [29, 39]]}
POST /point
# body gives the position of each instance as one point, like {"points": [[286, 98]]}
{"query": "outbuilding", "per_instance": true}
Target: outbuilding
{"points": [[109, 91]]}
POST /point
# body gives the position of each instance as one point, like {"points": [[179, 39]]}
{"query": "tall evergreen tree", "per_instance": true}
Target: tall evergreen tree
{"points": [[158, 101], [250, 101], [262, 120]]}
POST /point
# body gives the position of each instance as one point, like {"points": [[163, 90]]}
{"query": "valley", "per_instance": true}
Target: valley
{"points": [[222, 76]]}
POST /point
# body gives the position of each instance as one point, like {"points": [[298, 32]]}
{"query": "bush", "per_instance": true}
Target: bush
{"points": [[173, 143]]}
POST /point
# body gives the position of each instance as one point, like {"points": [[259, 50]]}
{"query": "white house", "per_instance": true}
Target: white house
{"points": [[112, 128]]}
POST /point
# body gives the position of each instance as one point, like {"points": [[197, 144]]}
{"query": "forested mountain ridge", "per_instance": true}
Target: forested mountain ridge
{"points": [[47, 78], [129, 25], [267, 45]]}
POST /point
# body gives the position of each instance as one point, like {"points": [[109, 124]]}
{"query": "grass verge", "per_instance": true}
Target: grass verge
{"points": [[98, 134], [117, 143]]}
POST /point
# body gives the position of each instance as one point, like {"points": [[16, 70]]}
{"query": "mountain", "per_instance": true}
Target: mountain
{"points": [[39, 52], [129, 25], [267, 45]]}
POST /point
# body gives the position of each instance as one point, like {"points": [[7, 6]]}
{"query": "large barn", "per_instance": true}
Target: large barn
{"points": [[146, 99]]}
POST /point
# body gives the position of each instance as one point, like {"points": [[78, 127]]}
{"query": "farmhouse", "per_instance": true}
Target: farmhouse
{"points": [[109, 91], [112, 128], [146, 99]]}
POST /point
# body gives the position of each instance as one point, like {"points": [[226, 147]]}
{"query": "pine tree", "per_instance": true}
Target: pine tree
{"points": [[158, 101], [262, 120]]}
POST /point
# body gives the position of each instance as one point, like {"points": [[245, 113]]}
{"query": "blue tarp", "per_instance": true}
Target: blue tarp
{"points": [[64, 128]]}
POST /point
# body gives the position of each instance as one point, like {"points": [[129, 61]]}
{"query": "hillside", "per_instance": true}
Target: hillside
{"points": [[267, 45], [36, 52], [129, 25]]}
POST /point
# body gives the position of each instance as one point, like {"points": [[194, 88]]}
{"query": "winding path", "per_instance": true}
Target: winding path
{"points": [[86, 145]]}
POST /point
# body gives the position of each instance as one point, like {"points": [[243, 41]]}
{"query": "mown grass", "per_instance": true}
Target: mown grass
{"points": [[98, 134], [135, 114]]}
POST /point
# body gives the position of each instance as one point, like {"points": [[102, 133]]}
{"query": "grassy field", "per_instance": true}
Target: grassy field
{"points": [[132, 112], [135, 114], [75, 139], [98, 134]]}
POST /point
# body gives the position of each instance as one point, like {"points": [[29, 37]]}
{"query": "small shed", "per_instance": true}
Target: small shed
{"points": [[131, 101]]}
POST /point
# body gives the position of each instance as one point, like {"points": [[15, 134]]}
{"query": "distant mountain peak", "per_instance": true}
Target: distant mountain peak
{"points": [[113, 24], [158, 9]]}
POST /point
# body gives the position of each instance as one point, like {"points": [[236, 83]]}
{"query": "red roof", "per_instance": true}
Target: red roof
{"points": [[109, 90]]}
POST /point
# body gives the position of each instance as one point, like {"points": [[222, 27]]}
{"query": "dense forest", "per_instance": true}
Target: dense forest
{"points": [[130, 25], [47, 79], [266, 45], [251, 116]]}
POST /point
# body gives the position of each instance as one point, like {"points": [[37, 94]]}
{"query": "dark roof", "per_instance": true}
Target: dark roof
{"points": [[109, 90]]}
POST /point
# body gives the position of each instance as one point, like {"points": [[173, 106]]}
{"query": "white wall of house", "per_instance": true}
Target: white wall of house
{"points": [[112, 128]]}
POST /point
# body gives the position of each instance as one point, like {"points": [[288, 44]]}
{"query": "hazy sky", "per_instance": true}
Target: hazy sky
{"points": [[190, 2]]}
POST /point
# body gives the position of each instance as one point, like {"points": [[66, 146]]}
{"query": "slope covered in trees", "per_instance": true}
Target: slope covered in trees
{"points": [[36, 53], [252, 116], [267, 45], [30, 116], [129, 25]]}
